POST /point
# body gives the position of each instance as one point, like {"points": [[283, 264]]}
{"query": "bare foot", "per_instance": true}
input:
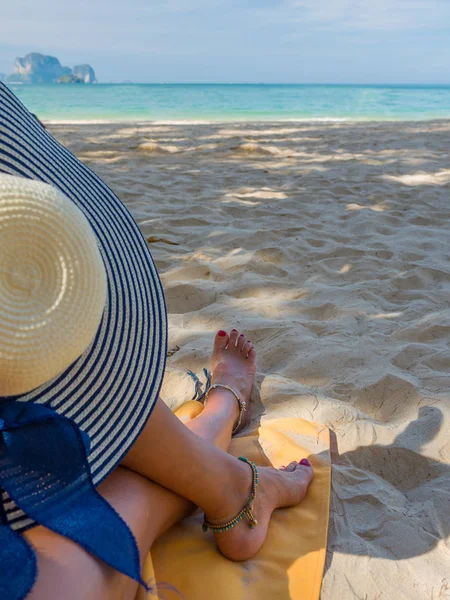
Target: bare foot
{"points": [[233, 364], [276, 489]]}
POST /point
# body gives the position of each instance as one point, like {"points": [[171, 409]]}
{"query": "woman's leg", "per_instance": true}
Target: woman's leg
{"points": [[67, 571], [173, 456]]}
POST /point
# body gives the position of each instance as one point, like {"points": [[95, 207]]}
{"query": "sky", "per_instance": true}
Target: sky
{"points": [[236, 41]]}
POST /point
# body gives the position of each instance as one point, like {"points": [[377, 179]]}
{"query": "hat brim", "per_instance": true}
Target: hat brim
{"points": [[111, 389]]}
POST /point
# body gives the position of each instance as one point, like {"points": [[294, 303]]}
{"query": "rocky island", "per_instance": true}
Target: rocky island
{"points": [[85, 73], [40, 68]]}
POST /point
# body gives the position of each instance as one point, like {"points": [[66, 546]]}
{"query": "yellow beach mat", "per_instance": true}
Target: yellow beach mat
{"points": [[290, 564]]}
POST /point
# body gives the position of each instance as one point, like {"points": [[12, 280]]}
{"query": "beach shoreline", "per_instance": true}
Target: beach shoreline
{"points": [[328, 244], [243, 121]]}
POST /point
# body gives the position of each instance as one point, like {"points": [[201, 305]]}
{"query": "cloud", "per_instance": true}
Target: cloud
{"points": [[362, 15]]}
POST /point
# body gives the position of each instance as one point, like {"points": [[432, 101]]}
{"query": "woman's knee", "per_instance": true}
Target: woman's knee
{"points": [[66, 570]]}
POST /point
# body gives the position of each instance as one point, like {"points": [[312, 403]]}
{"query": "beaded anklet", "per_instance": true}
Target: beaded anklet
{"points": [[245, 512]]}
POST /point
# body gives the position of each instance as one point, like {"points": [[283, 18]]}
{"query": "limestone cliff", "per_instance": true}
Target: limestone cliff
{"points": [[40, 68], [85, 73]]}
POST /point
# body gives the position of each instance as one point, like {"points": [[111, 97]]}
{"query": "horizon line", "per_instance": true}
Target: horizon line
{"points": [[129, 82], [125, 82]]}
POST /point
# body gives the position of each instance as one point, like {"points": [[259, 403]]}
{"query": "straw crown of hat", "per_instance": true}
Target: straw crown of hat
{"points": [[52, 284]]}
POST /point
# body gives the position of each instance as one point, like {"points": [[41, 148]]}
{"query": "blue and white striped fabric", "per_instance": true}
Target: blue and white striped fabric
{"points": [[111, 389]]}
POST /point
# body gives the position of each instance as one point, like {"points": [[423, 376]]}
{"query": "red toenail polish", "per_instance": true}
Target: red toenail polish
{"points": [[235, 330], [242, 335], [283, 466], [222, 333], [305, 462]]}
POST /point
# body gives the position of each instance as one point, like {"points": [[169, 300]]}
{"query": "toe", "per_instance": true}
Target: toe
{"points": [[306, 470], [247, 347], [233, 337], [221, 340], [241, 342], [291, 466]]}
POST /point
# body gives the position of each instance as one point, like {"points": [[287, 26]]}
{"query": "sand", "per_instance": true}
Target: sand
{"points": [[329, 245]]}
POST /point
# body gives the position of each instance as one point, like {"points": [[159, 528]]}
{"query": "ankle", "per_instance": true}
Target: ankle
{"points": [[222, 402], [235, 492]]}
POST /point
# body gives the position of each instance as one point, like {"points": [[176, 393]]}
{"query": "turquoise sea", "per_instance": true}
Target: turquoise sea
{"points": [[234, 102]]}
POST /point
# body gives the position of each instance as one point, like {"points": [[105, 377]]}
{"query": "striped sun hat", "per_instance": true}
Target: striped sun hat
{"points": [[102, 384]]}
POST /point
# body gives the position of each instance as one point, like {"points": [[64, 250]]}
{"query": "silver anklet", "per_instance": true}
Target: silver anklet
{"points": [[242, 403]]}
